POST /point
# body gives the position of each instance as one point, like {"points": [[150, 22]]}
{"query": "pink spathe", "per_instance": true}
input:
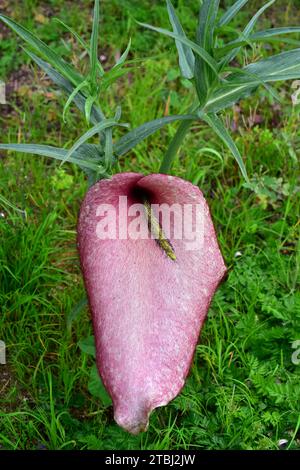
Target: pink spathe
{"points": [[147, 309]]}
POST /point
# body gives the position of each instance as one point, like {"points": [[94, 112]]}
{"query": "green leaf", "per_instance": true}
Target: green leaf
{"points": [[251, 25], [231, 12], [261, 36], [108, 148], [131, 139], [252, 77], [112, 75], [73, 32], [63, 67], [6, 202], [75, 312], [268, 33], [118, 113], [88, 107], [81, 42], [87, 346], [94, 43], [51, 152], [205, 39], [92, 153], [66, 86], [124, 56], [227, 95], [284, 66], [72, 96], [217, 125], [105, 124], [97, 389], [195, 47], [186, 56], [246, 33]]}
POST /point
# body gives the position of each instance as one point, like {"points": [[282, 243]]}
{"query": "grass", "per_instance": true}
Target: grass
{"points": [[243, 389]]}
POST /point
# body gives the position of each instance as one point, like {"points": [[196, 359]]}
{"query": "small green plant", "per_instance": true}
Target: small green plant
{"points": [[86, 92], [206, 63]]}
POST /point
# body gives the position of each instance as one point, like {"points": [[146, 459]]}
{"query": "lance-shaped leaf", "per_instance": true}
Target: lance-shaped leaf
{"points": [[229, 94], [85, 157], [132, 138], [269, 33], [80, 41], [75, 92], [62, 66], [124, 56], [217, 125], [246, 33], [231, 12], [208, 59], [96, 114], [185, 53], [147, 308], [284, 66], [94, 44], [205, 39], [256, 79], [105, 124], [261, 36]]}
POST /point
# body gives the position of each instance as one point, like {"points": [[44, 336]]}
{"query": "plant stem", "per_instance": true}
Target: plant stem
{"points": [[176, 142], [174, 146]]}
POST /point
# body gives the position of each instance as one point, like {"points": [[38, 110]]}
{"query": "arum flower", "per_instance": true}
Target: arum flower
{"points": [[148, 305]]}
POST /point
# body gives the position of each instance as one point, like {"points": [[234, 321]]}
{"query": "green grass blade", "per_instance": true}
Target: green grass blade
{"points": [[231, 12], [75, 312], [131, 139], [217, 125], [185, 53], [63, 67], [6, 202], [79, 100], [124, 56], [195, 47], [94, 43], [48, 151], [105, 124], [205, 39], [87, 346]]}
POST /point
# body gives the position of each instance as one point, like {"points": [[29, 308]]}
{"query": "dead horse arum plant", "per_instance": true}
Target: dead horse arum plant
{"points": [[149, 295]]}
